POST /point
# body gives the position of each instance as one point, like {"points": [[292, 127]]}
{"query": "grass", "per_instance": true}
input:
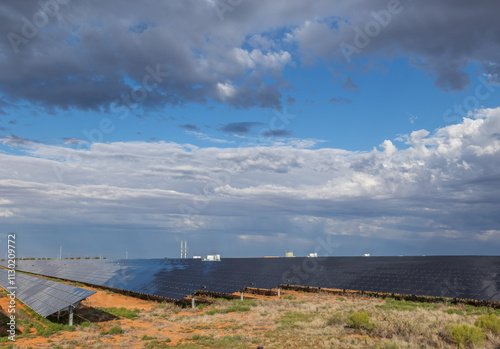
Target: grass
{"points": [[122, 312], [336, 319], [472, 310], [231, 309], [309, 321], [225, 342], [50, 329], [392, 304], [155, 344], [293, 317], [113, 331], [454, 311]]}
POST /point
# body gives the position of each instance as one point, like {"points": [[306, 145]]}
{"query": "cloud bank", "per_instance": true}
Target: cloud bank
{"points": [[441, 186], [110, 56]]}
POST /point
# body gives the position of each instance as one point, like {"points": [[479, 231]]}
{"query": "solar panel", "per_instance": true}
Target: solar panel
{"points": [[44, 296], [469, 277]]}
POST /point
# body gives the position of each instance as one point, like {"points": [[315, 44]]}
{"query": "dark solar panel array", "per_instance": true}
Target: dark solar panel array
{"points": [[468, 277], [43, 296]]}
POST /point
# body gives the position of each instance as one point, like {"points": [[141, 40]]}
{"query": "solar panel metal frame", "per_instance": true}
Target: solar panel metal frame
{"points": [[44, 296]]}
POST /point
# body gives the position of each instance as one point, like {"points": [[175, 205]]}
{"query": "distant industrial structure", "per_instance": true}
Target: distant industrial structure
{"points": [[289, 254], [313, 255], [212, 258], [184, 250]]}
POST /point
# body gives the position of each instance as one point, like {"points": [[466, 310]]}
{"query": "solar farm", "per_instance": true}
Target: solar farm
{"points": [[191, 283]]}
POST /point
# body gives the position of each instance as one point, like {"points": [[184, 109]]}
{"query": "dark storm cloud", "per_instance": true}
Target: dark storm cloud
{"points": [[88, 55], [239, 127], [442, 37]]}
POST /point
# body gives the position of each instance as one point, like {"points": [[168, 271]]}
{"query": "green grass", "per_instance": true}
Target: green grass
{"points": [[231, 309], [226, 342], [146, 337], [154, 344], [122, 312], [454, 311], [50, 329], [473, 310], [392, 304], [292, 317], [84, 325], [113, 331], [246, 302]]}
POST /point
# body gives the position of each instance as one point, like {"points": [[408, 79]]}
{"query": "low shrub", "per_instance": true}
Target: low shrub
{"points": [[466, 336], [359, 320], [489, 322]]}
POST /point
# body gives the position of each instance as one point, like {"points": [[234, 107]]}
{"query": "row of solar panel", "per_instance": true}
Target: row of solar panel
{"points": [[470, 277], [43, 296]]}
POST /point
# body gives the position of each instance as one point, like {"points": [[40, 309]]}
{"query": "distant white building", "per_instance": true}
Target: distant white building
{"points": [[366, 255], [312, 254], [212, 257], [196, 257]]}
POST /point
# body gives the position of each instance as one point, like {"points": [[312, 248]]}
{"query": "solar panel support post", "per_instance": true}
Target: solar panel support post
{"points": [[192, 302], [241, 295], [279, 292], [58, 315], [70, 322]]}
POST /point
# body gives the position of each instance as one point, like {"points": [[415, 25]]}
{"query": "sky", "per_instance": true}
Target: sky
{"points": [[250, 128]]}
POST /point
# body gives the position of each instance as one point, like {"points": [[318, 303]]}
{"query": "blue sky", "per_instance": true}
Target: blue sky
{"points": [[250, 131]]}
